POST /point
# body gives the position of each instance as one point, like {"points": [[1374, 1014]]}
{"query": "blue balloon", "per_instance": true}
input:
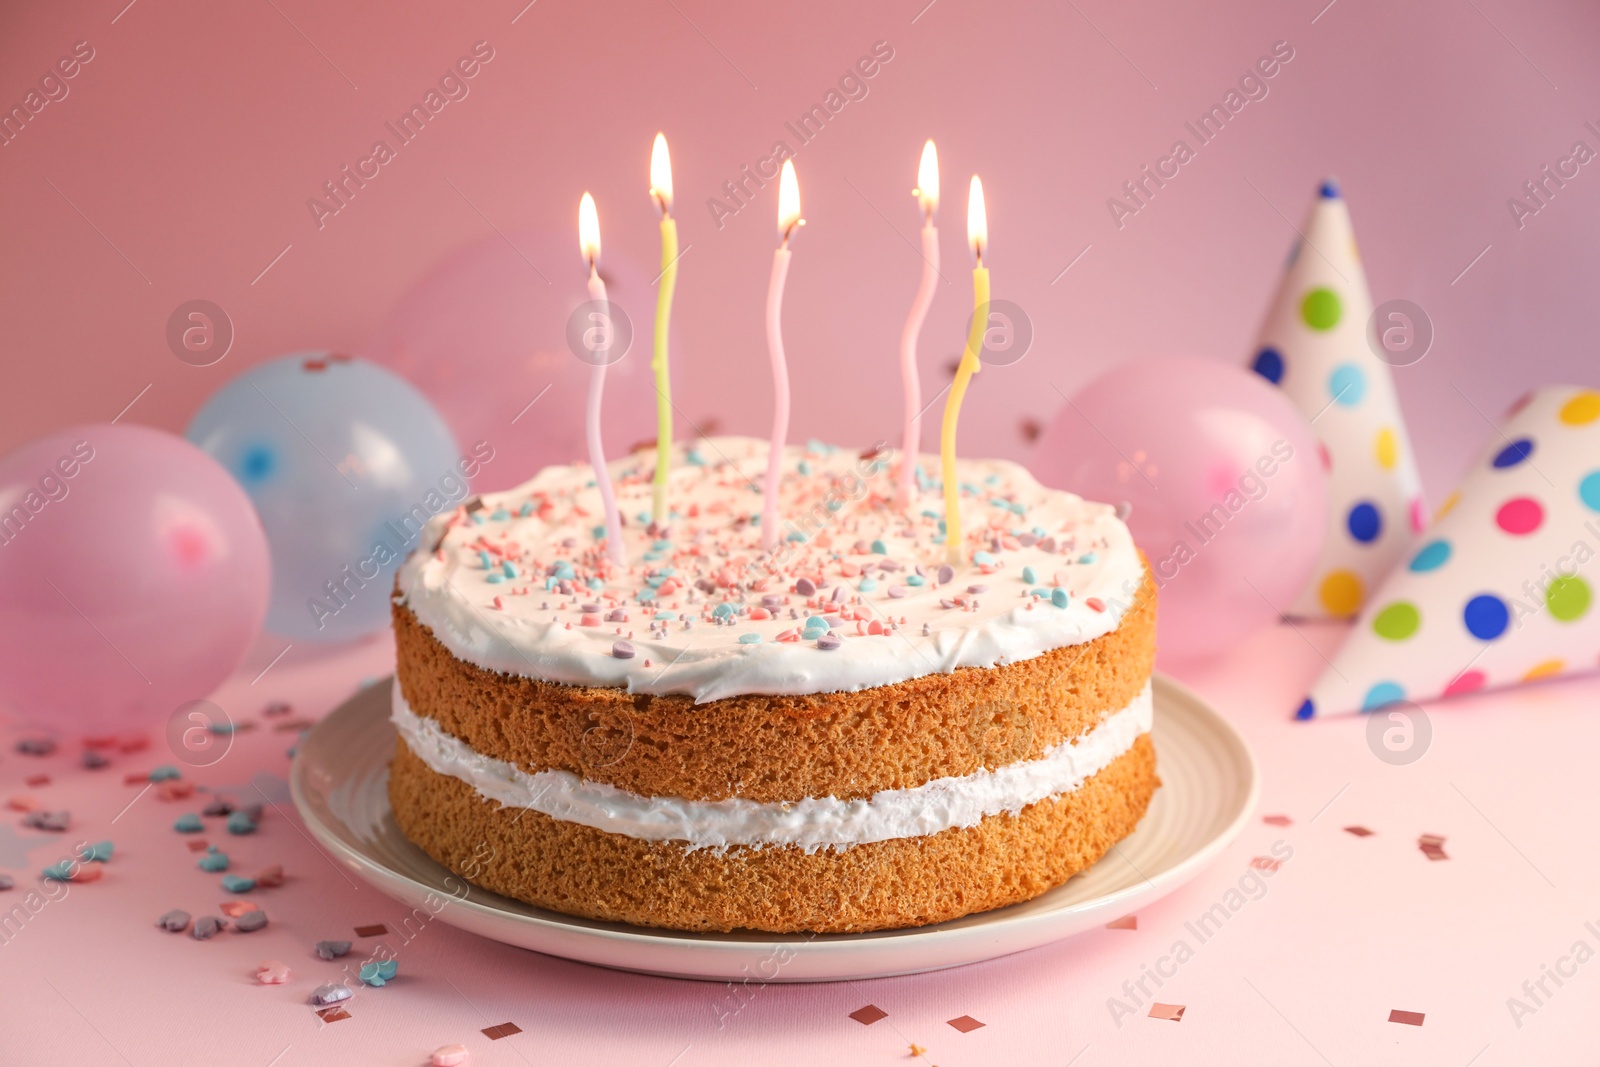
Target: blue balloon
{"points": [[345, 463]]}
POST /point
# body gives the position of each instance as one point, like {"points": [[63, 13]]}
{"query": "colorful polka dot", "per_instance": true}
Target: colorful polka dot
{"points": [[1431, 556], [1519, 515], [1589, 490], [1581, 409], [1365, 522], [1306, 710], [1386, 449], [1341, 593], [1269, 364], [1548, 669], [1568, 598], [1381, 695], [1320, 309], [1448, 506], [1486, 616], [1347, 385], [1466, 682], [1514, 453], [1419, 515], [1397, 621]]}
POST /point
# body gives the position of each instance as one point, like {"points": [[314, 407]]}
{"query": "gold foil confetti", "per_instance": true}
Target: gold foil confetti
{"points": [[375, 930], [1432, 846], [1359, 831], [868, 1015], [1170, 1012], [1276, 820], [1410, 1018], [1127, 922], [965, 1023], [333, 1014], [495, 1033], [1264, 863]]}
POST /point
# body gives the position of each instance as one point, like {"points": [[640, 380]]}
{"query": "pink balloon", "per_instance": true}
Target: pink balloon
{"points": [[484, 334], [133, 578], [1227, 484]]}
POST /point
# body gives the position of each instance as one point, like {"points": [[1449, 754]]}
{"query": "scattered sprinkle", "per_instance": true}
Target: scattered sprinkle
{"points": [[54, 822], [272, 972], [213, 861], [373, 930], [1276, 820], [379, 972], [828, 642], [622, 650], [332, 950], [36, 746], [868, 1015], [218, 807], [449, 1056], [495, 1033], [250, 921], [100, 852], [330, 993], [188, 823], [164, 773], [240, 822], [750, 639], [1170, 1012], [270, 877], [175, 921], [1127, 922], [94, 760], [235, 908], [1409, 1018], [206, 927], [234, 883], [1359, 831], [965, 1023]]}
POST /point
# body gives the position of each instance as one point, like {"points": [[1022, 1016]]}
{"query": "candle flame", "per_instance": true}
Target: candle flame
{"points": [[661, 174], [788, 200], [977, 220], [927, 190], [588, 230]]}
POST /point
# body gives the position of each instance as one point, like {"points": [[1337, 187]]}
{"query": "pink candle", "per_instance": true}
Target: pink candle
{"points": [[927, 193], [788, 219], [599, 355]]}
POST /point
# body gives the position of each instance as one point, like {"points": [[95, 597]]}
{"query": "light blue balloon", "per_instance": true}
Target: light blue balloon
{"points": [[345, 463]]}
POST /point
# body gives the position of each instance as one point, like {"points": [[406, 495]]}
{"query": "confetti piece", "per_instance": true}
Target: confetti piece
{"points": [[54, 822], [965, 1023], [34, 781], [241, 823], [218, 807], [93, 760], [88, 872], [1169, 1012], [1430, 839], [250, 922], [333, 1015], [272, 972], [379, 972], [174, 790], [1127, 922], [270, 877], [7, 882], [449, 1056], [206, 927], [235, 908], [868, 1015], [1264, 863], [36, 746], [276, 708], [1359, 831], [99, 852], [1276, 820], [188, 823], [165, 773], [1409, 1018], [199, 844], [375, 930], [330, 993], [495, 1033], [22, 802], [213, 861], [1433, 852], [135, 779], [175, 921], [234, 883], [332, 950], [58, 872]]}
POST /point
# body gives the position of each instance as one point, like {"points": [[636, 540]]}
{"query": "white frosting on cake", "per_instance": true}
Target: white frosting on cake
{"points": [[810, 824], [509, 586]]}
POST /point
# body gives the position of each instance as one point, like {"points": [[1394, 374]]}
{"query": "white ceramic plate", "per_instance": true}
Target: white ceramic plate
{"points": [[1209, 787]]}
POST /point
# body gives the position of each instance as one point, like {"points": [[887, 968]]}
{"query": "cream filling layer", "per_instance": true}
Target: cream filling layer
{"points": [[810, 824]]}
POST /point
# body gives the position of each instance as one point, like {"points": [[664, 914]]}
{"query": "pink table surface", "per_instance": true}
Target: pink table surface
{"points": [[1307, 972]]}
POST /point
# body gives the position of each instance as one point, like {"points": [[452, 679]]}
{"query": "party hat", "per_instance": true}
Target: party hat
{"points": [[1315, 347], [1501, 589]]}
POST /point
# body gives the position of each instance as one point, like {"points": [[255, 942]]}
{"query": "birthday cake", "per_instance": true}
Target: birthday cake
{"points": [[845, 733]]}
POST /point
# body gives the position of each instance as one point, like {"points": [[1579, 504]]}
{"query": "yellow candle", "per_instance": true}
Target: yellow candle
{"points": [[978, 239], [661, 192]]}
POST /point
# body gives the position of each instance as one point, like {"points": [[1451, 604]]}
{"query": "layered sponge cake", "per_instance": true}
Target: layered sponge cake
{"points": [[845, 734]]}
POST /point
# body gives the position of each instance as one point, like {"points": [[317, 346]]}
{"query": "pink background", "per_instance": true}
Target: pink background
{"points": [[194, 138], [179, 165]]}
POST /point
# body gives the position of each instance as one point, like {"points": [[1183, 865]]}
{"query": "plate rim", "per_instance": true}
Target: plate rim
{"points": [[827, 949]]}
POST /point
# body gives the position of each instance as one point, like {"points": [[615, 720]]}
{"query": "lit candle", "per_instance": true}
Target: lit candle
{"points": [[927, 194], [589, 243], [788, 219], [661, 193], [978, 238]]}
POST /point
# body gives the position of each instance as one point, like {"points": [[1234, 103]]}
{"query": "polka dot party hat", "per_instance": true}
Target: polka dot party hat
{"points": [[1500, 591], [1314, 347]]}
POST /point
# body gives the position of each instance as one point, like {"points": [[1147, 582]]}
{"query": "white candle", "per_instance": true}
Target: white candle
{"points": [[788, 219], [589, 243], [927, 194]]}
